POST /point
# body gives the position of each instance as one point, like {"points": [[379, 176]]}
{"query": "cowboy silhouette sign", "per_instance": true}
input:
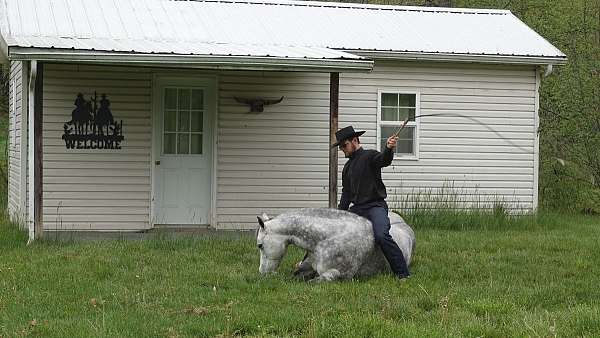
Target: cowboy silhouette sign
{"points": [[92, 126]]}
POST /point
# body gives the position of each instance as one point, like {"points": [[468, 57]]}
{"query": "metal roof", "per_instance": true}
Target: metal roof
{"points": [[298, 30]]}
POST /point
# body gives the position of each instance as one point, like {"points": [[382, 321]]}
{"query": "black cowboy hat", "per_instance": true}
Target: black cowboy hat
{"points": [[345, 134]]}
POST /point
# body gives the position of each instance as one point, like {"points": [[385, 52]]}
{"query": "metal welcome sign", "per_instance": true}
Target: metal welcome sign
{"points": [[92, 125]]}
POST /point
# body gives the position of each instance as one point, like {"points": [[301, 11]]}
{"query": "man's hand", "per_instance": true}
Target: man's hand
{"points": [[391, 142]]}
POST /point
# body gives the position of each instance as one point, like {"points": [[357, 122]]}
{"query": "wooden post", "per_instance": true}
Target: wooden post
{"points": [[38, 171], [334, 90]]}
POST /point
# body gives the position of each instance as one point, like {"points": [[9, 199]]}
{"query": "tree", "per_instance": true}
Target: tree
{"points": [[4, 80]]}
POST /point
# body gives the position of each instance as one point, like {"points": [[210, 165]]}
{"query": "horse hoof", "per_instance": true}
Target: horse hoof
{"points": [[306, 275]]}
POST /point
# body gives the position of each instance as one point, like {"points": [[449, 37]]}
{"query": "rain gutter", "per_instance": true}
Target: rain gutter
{"points": [[450, 57], [194, 61]]}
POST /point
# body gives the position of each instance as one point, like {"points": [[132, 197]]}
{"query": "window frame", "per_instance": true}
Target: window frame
{"points": [[177, 132], [415, 124]]}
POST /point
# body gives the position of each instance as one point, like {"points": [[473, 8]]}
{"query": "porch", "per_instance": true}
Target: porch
{"points": [[167, 172]]}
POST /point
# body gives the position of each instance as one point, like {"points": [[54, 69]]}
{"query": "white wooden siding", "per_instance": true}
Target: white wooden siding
{"points": [[277, 160], [480, 149], [482, 146], [16, 195], [103, 190]]}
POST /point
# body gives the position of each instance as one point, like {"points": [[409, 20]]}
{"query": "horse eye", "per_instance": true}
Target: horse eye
{"points": [[260, 246]]}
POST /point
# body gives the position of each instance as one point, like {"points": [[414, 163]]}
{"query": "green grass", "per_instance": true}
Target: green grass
{"points": [[474, 274], [501, 277]]}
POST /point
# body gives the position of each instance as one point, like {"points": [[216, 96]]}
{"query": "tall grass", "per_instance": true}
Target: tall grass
{"points": [[452, 208], [12, 234]]}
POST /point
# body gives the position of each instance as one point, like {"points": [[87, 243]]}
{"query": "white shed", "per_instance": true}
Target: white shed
{"points": [[128, 115]]}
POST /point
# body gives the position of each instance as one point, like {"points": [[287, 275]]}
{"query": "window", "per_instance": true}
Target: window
{"points": [[183, 121], [394, 108]]}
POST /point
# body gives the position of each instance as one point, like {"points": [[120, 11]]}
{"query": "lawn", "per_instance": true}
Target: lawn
{"points": [[473, 275], [498, 277]]}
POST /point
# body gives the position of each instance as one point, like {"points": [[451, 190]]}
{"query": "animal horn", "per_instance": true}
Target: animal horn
{"points": [[267, 102], [241, 100]]}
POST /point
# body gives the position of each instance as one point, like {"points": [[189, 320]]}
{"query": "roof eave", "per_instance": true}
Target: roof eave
{"points": [[455, 57], [194, 61]]}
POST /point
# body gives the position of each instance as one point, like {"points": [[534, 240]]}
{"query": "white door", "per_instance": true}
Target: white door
{"points": [[183, 151]]}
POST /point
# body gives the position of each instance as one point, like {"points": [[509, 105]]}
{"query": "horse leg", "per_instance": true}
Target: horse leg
{"points": [[327, 276], [335, 259], [304, 269]]}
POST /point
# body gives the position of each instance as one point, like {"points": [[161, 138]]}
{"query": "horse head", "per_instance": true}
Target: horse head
{"points": [[272, 246]]}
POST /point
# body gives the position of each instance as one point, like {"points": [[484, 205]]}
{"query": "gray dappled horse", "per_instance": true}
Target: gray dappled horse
{"points": [[340, 244]]}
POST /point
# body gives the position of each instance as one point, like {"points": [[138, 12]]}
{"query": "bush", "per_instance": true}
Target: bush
{"points": [[564, 186]]}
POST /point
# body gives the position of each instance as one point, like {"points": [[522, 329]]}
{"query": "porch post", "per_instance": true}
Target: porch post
{"points": [[334, 90], [36, 148]]}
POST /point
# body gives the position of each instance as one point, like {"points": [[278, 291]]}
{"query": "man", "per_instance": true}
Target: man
{"points": [[363, 187]]}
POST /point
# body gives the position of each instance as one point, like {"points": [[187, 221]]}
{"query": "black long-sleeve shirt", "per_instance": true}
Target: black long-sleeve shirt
{"points": [[361, 177]]}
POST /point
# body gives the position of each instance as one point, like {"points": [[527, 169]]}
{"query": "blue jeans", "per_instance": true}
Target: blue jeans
{"points": [[377, 213]]}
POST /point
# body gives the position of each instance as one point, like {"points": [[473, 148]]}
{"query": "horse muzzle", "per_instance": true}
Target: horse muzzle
{"points": [[268, 266]]}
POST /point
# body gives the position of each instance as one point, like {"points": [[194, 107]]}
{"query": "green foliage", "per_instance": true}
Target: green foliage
{"points": [[4, 78], [567, 187], [570, 107]]}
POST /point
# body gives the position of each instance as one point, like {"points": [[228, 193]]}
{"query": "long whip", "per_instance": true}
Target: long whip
{"points": [[399, 129]]}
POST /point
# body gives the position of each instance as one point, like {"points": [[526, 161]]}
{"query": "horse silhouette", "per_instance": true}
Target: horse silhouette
{"points": [[81, 115]]}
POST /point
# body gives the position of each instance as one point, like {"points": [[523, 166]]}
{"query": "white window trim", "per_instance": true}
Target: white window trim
{"points": [[416, 123]]}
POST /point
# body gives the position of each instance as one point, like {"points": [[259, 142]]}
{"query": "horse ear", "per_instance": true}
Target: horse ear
{"points": [[261, 222]]}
